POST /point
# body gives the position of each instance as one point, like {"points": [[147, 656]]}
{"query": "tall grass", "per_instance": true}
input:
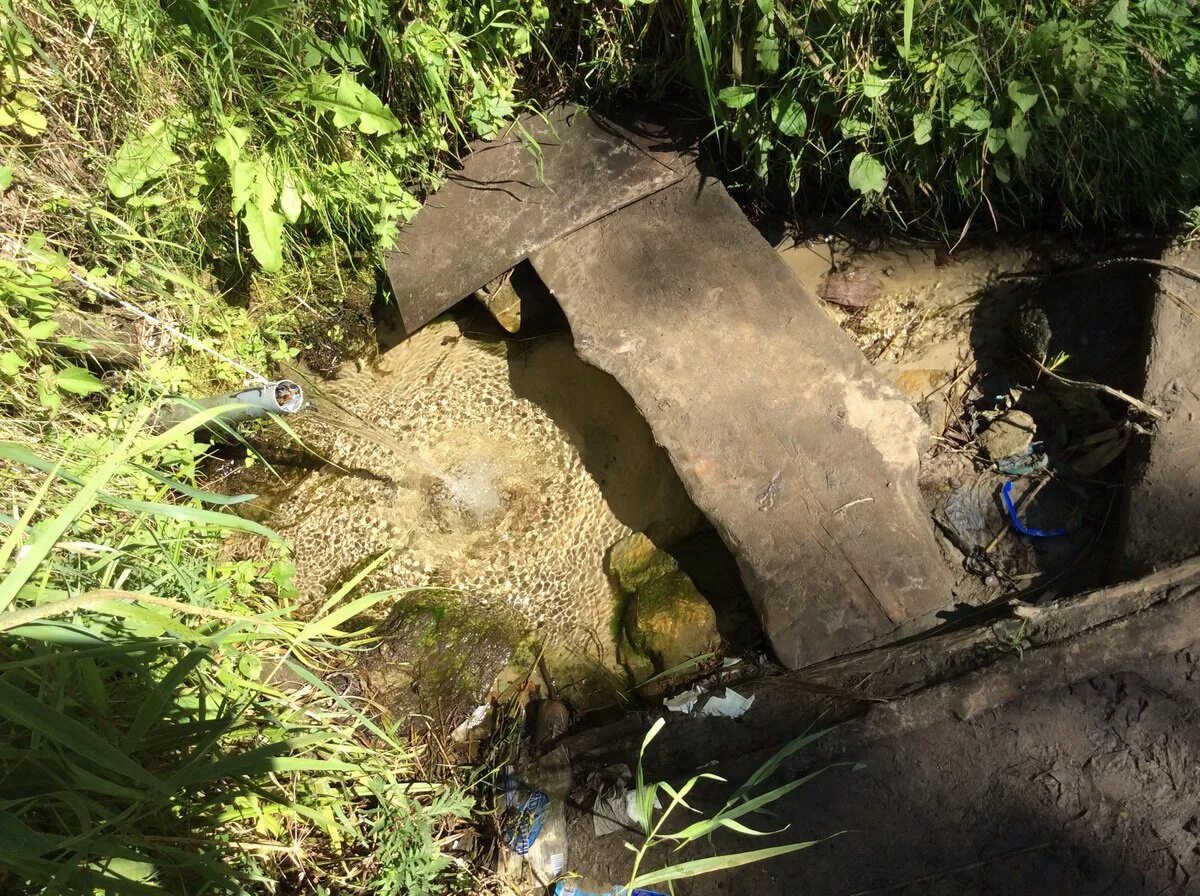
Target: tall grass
{"points": [[164, 733]]}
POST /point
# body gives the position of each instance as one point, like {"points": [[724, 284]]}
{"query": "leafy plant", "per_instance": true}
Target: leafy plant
{"points": [[741, 803]]}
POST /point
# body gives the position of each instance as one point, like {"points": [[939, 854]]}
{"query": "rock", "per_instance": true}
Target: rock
{"points": [[666, 617], [1031, 331], [852, 289], [506, 202], [438, 656], [923, 387], [1009, 434], [803, 458]]}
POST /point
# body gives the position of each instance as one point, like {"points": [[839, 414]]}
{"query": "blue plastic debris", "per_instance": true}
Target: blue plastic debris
{"points": [[1006, 495]]}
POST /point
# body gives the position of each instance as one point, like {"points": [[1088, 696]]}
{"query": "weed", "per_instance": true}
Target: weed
{"points": [[741, 803], [928, 112]]}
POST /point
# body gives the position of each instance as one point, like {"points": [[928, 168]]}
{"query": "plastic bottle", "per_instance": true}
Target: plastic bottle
{"points": [[582, 886]]}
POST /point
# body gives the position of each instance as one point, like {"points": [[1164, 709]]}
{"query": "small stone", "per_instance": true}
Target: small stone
{"points": [[666, 617], [1031, 331], [1009, 434], [852, 289]]}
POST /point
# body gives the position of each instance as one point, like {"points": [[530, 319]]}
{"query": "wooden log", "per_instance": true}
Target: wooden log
{"points": [[946, 674]]}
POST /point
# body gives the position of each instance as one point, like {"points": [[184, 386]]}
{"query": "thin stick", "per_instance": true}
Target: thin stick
{"points": [[1136, 403], [939, 874]]}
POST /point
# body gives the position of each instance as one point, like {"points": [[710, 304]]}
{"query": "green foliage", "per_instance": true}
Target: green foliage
{"points": [[742, 802], [1080, 113], [19, 107], [149, 743]]}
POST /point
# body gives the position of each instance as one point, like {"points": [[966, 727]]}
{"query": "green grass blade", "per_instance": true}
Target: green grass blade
{"points": [[697, 867], [35, 715]]}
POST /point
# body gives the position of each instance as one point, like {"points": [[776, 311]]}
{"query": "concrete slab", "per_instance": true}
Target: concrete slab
{"points": [[508, 201], [802, 456], [1161, 524]]}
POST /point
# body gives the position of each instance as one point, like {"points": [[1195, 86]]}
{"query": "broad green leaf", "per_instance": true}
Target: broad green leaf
{"points": [[31, 120], [766, 50], [264, 224], [1024, 94], [78, 381], [289, 201], [922, 128], [241, 182], [994, 140], [43, 329], [141, 159], [350, 103], [853, 128], [11, 363], [6, 173], [874, 85], [789, 116], [737, 96], [1119, 14], [1018, 136], [967, 113], [229, 145], [867, 174]]}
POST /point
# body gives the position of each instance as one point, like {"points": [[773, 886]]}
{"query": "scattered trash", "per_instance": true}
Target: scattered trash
{"points": [[966, 513], [479, 722], [684, 702], [535, 827], [732, 706], [1032, 459], [581, 886], [617, 810]]}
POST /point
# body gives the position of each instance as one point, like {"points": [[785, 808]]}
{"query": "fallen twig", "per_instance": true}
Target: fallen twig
{"points": [[1136, 403]]}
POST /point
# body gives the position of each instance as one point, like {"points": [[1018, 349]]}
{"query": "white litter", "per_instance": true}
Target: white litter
{"points": [[684, 702], [617, 811], [732, 706], [480, 716]]}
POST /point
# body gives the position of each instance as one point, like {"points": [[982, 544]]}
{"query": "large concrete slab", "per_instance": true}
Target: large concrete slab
{"points": [[804, 459], [509, 200], [1161, 524]]}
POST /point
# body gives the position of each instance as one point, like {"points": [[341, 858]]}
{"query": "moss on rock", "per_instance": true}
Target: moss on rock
{"points": [[666, 618]]}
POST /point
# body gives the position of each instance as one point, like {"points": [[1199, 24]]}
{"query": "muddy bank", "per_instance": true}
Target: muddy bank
{"points": [[1088, 789]]}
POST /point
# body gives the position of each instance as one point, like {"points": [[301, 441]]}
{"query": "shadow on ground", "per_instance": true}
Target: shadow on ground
{"points": [[1089, 789]]}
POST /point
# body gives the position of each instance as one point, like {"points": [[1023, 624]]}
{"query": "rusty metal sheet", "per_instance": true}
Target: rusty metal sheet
{"points": [[507, 202], [802, 456]]}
